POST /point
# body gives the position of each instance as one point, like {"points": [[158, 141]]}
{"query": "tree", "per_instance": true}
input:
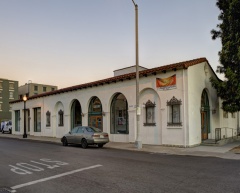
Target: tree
{"points": [[229, 33]]}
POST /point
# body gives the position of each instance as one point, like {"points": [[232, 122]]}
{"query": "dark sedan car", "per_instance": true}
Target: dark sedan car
{"points": [[85, 135]]}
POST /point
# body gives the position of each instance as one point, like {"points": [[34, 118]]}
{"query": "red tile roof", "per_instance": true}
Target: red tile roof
{"points": [[152, 71]]}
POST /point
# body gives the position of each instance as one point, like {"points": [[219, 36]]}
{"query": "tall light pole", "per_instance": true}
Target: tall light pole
{"points": [[24, 117], [138, 141]]}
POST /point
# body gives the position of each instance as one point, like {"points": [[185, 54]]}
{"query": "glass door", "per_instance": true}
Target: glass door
{"points": [[96, 121]]}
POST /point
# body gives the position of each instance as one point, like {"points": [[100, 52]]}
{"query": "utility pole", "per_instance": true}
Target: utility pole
{"points": [[138, 142]]}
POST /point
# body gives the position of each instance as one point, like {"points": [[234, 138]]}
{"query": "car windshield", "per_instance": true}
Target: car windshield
{"points": [[74, 130], [93, 129]]}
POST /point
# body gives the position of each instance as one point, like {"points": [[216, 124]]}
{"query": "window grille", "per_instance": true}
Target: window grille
{"points": [[48, 121], [150, 113], [174, 112], [60, 113]]}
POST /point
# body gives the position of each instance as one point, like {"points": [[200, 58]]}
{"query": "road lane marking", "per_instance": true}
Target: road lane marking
{"points": [[30, 167], [55, 162], [18, 170], [54, 177], [48, 166], [26, 168]]}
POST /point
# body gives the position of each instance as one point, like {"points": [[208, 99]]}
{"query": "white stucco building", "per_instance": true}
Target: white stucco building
{"points": [[179, 107]]}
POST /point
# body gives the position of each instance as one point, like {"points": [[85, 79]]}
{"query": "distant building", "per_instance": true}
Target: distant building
{"points": [[8, 92], [30, 89]]}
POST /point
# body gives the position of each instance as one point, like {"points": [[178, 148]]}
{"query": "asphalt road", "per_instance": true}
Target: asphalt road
{"points": [[40, 167]]}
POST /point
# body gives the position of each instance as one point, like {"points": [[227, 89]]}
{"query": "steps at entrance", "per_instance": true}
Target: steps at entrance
{"points": [[212, 142], [209, 142]]}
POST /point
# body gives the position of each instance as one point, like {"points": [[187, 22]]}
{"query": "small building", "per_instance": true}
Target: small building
{"points": [[30, 89], [179, 107], [8, 92], [128, 70]]}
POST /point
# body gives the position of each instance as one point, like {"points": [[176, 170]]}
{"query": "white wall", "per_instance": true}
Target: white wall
{"points": [[198, 80], [189, 86], [150, 134], [159, 134], [172, 135]]}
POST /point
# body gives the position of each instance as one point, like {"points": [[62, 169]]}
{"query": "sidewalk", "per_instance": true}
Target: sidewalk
{"points": [[228, 151]]}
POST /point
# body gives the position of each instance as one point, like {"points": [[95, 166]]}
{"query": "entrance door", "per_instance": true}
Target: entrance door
{"points": [[96, 121], [76, 117], [204, 125]]}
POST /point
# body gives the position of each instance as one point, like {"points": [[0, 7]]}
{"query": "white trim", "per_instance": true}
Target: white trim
{"points": [[54, 177]]}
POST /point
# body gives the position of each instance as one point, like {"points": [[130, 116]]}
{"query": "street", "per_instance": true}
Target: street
{"points": [[32, 166]]}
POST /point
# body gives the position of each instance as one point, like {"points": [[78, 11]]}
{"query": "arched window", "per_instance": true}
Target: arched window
{"points": [[119, 115], [205, 115], [95, 113], [204, 100], [174, 112], [60, 113], [48, 122], [95, 106], [76, 114], [150, 113]]}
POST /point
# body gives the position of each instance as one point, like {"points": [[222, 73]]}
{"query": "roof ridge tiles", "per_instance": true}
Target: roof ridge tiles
{"points": [[184, 64]]}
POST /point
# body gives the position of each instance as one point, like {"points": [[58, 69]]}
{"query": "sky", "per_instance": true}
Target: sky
{"points": [[71, 42]]}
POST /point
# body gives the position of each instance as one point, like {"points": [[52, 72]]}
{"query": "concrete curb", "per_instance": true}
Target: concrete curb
{"points": [[228, 151]]}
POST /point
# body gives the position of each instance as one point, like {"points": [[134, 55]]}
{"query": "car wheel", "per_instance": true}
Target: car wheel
{"points": [[65, 142], [84, 143], [100, 145]]}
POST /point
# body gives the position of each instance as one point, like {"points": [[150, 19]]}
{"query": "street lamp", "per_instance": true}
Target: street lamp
{"points": [[138, 142], [24, 100]]}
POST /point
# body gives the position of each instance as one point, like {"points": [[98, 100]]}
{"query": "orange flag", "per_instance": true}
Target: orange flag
{"points": [[165, 82]]}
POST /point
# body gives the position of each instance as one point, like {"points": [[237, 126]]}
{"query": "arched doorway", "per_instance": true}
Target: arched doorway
{"points": [[119, 115], [76, 114], [205, 115], [95, 113]]}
